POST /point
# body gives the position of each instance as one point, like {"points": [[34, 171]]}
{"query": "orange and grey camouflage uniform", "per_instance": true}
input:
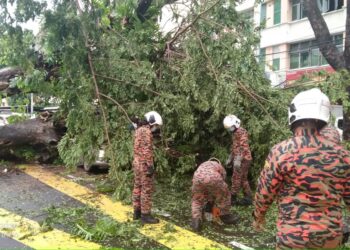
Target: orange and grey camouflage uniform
{"points": [[240, 147], [310, 176], [143, 159], [208, 184], [331, 133]]}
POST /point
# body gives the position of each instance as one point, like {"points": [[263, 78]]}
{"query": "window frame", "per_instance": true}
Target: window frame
{"points": [[310, 51], [277, 12], [263, 12]]}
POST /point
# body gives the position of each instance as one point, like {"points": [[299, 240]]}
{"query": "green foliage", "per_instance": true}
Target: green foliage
{"points": [[15, 119], [25, 152], [90, 224], [208, 72]]}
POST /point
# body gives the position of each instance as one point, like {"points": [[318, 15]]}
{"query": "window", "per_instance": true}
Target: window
{"points": [[338, 40], [262, 57], [276, 58], [315, 57], [277, 12], [307, 54], [249, 15], [263, 13], [323, 5], [298, 11], [330, 5]]}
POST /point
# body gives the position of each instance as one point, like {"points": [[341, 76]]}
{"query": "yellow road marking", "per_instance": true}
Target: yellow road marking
{"points": [[175, 238], [29, 233]]}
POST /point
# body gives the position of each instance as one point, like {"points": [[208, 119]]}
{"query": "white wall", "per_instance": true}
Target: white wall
{"points": [[245, 5], [300, 30]]}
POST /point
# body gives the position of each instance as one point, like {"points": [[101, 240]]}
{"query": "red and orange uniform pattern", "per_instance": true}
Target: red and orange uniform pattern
{"points": [[240, 147], [143, 159], [309, 176], [208, 184], [331, 133]]}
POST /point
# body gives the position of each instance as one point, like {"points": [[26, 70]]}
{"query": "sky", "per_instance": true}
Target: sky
{"points": [[166, 20]]}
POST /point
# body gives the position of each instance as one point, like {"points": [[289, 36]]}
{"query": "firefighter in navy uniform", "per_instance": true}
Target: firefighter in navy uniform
{"points": [[143, 167], [309, 176]]}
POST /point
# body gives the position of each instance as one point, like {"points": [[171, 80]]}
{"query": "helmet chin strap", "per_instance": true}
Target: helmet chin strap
{"points": [[155, 128], [232, 129]]}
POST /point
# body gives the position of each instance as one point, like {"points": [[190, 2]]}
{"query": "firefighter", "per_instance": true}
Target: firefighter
{"points": [[309, 176], [241, 158], [209, 186], [143, 167], [331, 133]]}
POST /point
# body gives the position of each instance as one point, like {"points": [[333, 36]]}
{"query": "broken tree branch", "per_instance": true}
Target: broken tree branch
{"points": [[184, 29], [118, 104]]}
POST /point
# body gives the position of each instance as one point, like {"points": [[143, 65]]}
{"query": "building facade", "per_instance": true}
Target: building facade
{"points": [[288, 48]]}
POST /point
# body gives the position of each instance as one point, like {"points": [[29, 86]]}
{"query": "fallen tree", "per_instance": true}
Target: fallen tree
{"points": [[6, 74], [40, 135]]}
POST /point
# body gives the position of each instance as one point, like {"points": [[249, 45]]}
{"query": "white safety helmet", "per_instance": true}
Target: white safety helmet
{"points": [[153, 118], [231, 120], [310, 104]]}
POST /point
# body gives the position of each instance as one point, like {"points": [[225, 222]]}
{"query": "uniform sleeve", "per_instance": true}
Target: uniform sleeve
{"points": [[146, 147], [222, 172], [236, 145], [245, 143], [268, 187], [346, 194]]}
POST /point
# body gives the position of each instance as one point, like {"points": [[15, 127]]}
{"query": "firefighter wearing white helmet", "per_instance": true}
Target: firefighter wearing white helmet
{"points": [[311, 104], [143, 167], [240, 157], [309, 176], [231, 122]]}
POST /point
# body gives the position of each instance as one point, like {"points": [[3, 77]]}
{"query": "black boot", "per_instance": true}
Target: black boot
{"points": [[148, 219], [196, 225], [234, 200], [137, 214], [246, 201], [229, 219]]}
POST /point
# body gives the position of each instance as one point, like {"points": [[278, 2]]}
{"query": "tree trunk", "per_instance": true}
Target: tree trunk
{"points": [[334, 57], [323, 37], [347, 37], [38, 134], [6, 74]]}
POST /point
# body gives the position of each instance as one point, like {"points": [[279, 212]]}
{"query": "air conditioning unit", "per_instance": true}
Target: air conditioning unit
{"points": [[276, 78]]}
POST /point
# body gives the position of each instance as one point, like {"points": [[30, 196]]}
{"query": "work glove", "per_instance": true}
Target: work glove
{"points": [[237, 162], [209, 207], [208, 211], [229, 161], [150, 171]]}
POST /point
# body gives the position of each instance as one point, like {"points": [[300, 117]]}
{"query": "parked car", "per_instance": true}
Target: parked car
{"points": [[339, 126], [100, 162]]}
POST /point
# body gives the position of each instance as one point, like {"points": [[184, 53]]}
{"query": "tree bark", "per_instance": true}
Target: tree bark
{"points": [[9, 72], [334, 57], [323, 37], [39, 134], [347, 37], [6, 74]]}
